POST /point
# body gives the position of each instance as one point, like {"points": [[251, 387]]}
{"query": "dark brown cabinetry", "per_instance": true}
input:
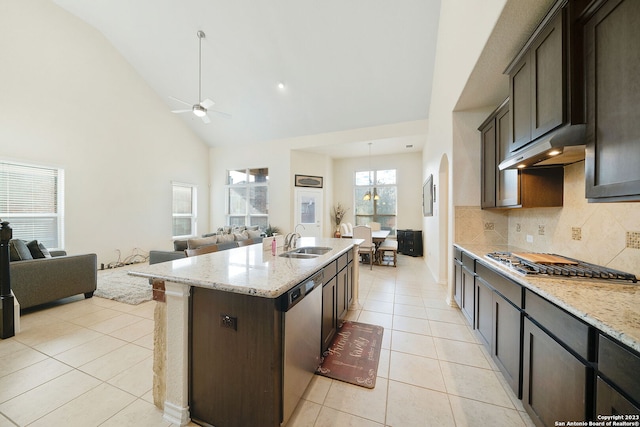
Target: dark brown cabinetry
{"points": [[529, 188], [410, 242], [499, 321], [617, 392], [221, 385], [499, 188], [337, 295], [457, 276], [612, 36], [557, 373], [537, 85], [468, 290]]}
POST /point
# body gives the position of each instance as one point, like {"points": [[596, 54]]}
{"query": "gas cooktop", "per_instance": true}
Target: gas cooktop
{"points": [[556, 265]]}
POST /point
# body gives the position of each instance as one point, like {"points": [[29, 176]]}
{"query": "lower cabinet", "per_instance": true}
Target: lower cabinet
{"points": [[468, 294], [457, 277], [609, 401], [337, 295], [484, 311], [554, 380], [505, 349], [617, 392]]}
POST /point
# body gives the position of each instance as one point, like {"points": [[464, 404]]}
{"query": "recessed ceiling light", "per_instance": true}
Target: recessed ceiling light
{"points": [[280, 85]]}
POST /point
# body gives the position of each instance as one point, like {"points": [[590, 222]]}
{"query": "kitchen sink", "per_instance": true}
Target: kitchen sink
{"points": [[306, 252]]}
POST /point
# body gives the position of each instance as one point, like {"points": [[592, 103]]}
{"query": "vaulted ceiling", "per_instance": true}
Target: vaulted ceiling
{"points": [[344, 64]]}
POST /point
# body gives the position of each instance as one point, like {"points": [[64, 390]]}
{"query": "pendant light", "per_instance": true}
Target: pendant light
{"points": [[367, 195]]}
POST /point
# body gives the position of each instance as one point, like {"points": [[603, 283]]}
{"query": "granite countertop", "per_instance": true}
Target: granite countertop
{"points": [[609, 306], [247, 270]]}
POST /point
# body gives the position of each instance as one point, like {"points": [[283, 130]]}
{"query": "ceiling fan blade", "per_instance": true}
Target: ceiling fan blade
{"points": [[180, 111], [206, 119], [180, 100], [220, 113], [207, 103]]}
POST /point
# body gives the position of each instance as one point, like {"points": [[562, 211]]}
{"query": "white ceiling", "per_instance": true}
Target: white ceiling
{"points": [[346, 64]]}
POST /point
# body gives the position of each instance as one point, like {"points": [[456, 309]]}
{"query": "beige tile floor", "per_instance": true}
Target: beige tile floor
{"points": [[88, 363]]}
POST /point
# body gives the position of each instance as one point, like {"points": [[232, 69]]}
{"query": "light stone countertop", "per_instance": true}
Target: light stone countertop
{"points": [[610, 306], [249, 269]]}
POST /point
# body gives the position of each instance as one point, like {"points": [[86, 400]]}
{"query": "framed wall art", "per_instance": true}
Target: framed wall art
{"points": [[308, 181]]}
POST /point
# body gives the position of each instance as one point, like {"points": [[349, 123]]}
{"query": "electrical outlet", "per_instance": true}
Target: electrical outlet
{"points": [[488, 226], [529, 238], [518, 228], [227, 321], [541, 230]]}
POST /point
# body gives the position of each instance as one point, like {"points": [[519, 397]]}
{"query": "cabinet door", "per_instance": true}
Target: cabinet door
{"points": [[457, 279], [507, 337], [507, 181], [341, 293], [484, 312], [350, 284], [613, 96], [547, 83], [610, 402], [488, 183], [554, 381], [329, 304], [468, 295], [520, 104], [402, 241]]}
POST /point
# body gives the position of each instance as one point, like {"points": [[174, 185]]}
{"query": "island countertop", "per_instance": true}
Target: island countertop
{"points": [[610, 306], [247, 270]]}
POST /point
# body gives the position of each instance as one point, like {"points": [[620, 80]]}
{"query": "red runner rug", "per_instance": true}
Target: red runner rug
{"points": [[353, 354]]}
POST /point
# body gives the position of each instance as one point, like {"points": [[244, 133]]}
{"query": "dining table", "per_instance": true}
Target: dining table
{"points": [[377, 237]]}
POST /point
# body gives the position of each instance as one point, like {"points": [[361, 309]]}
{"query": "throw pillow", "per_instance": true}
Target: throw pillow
{"points": [[254, 234], [253, 227], [38, 250], [19, 250], [225, 238], [240, 236], [201, 242], [179, 245]]}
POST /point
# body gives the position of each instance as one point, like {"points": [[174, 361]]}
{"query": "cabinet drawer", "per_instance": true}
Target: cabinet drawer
{"points": [[330, 270], [342, 261], [506, 287], [566, 328], [468, 261], [457, 254], [620, 365]]}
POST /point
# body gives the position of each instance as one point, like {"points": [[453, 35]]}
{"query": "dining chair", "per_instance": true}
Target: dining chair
{"points": [[375, 226], [350, 228], [366, 247], [201, 250], [246, 242], [388, 245], [344, 230]]}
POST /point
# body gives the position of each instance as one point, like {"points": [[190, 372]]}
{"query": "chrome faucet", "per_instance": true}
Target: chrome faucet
{"points": [[291, 238]]}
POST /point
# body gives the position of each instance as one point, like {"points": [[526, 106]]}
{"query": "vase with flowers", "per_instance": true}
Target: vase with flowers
{"points": [[338, 214]]}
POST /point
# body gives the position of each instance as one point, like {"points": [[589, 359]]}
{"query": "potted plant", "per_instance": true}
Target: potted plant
{"points": [[338, 213]]}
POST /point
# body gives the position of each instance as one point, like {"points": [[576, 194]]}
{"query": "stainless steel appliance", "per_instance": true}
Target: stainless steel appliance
{"points": [[302, 308], [556, 265]]}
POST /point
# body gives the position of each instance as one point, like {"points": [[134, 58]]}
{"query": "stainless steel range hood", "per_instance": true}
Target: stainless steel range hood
{"points": [[563, 146]]}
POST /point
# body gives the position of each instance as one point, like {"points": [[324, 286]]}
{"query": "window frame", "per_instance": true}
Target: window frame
{"points": [[374, 186], [58, 215], [248, 186], [194, 210]]}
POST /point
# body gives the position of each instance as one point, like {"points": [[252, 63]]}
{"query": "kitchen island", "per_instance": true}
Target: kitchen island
{"points": [[233, 300]]}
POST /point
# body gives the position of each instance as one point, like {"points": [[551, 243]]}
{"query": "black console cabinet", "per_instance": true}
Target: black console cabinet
{"points": [[410, 242]]}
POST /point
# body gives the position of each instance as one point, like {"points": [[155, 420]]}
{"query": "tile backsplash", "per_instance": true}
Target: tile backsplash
{"points": [[601, 233]]}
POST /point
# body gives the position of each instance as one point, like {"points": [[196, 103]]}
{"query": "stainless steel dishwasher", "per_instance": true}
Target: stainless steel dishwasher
{"points": [[302, 308]]}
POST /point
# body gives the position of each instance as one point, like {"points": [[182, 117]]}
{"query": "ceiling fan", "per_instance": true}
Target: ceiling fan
{"points": [[202, 107]]}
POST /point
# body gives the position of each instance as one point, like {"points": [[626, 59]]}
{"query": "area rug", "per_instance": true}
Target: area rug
{"points": [[118, 285], [353, 354]]}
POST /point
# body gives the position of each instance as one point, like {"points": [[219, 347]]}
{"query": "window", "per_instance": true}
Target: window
{"points": [[184, 210], [248, 197], [381, 203], [32, 200]]}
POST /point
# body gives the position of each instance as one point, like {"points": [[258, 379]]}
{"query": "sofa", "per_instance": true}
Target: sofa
{"points": [[225, 238], [50, 276]]}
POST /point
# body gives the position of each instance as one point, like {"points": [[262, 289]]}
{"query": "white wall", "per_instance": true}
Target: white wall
{"points": [[68, 99], [462, 33], [409, 181]]}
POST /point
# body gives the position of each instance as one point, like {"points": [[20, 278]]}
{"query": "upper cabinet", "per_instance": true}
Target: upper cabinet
{"points": [[612, 38], [545, 78]]}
